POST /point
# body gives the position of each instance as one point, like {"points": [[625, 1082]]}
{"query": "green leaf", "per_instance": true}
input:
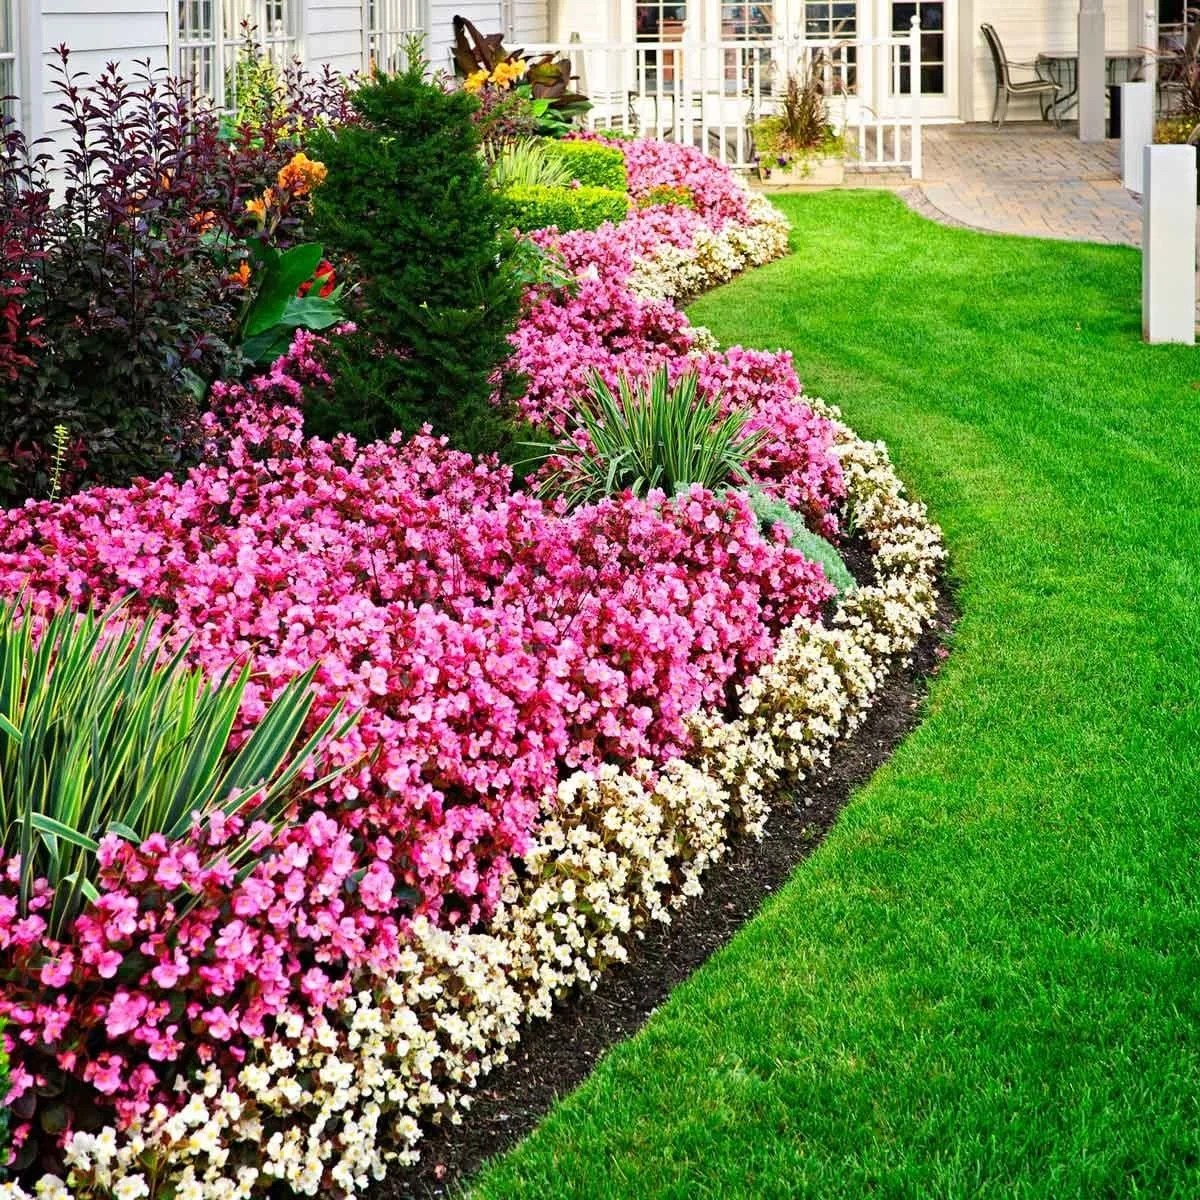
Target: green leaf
{"points": [[295, 266], [48, 826]]}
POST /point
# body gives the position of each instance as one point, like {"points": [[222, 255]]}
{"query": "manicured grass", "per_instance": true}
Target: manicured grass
{"points": [[987, 981]]}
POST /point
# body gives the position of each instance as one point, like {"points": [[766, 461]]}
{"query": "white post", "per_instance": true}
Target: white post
{"points": [[1092, 75], [1169, 245], [1150, 43], [1137, 131], [914, 67]]}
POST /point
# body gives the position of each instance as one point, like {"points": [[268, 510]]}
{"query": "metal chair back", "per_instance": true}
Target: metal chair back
{"points": [[999, 60]]}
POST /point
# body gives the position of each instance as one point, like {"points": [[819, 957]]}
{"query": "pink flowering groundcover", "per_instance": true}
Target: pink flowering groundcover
{"points": [[491, 642]]}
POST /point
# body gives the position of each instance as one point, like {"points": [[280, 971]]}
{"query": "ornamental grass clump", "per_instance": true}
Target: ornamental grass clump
{"points": [[527, 162], [104, 730], [654, 435]]}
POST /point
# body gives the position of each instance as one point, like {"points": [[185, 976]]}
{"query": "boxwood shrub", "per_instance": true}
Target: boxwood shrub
{"points": [[532, 206], [592, 163]]}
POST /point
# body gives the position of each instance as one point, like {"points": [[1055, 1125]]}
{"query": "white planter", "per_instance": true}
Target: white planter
{"points": [[817, 171]]}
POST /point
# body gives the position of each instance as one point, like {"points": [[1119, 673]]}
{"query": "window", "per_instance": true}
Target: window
{"points": [[933, 47], [8, 59], [829, 20], [835, 21], [658, 21], [208, 34], [739, 20], [391, 24]]}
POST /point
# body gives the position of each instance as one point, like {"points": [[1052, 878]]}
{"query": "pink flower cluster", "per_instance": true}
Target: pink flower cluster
{"points": [[651, 164], [146, 983], [605, 327], [489, 643]]}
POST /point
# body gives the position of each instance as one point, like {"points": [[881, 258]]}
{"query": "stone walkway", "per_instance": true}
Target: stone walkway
{"points": [[1028, 179]]}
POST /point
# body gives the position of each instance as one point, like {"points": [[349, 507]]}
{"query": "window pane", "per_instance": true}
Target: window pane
{"points": [[933, 47], [658, 20], [743, 20], [825, 20]]}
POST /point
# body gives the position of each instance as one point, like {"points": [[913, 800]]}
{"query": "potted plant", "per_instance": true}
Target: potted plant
{"points": [[798, 145], [1182, 126]]}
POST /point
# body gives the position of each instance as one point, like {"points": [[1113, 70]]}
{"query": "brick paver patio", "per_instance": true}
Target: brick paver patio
{"points": [[1028, 179]]}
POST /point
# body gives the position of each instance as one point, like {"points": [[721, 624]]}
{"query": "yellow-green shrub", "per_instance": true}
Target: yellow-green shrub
{"points": [[533, 206], [592, 163]]}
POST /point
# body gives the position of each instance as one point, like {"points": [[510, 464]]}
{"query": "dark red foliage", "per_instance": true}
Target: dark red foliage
{"points": [[116, 305]]}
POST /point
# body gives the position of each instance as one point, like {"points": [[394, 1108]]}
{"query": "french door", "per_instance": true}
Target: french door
{"points": [[939, 57]]}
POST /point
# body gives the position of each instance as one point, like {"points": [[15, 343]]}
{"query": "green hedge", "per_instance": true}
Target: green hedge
{"points": [[532, 206], [592, 163]]}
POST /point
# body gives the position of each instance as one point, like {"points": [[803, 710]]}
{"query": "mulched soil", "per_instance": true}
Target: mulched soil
{"points": [[556, 1055]]}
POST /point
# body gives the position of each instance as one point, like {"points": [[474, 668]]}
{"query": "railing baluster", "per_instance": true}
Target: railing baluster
{"points": [[668, 90]]}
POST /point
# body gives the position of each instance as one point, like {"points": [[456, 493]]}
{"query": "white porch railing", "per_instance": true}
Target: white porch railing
{"points": [[708, 94]]}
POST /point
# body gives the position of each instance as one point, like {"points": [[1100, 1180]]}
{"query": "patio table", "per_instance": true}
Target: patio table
{"points": [[1062, 66]]}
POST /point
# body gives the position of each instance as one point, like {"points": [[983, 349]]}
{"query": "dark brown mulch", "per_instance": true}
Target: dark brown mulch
{"points": [[556, 1055]]}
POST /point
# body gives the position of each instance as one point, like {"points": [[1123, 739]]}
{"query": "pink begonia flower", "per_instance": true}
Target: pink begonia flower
{"points": [[488, 643]]}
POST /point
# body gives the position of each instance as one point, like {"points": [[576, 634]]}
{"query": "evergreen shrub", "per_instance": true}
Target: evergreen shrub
{"points": [[406, 197]]}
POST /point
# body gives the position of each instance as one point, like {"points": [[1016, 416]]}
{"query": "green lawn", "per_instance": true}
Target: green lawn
{"points": [[987, 981]]}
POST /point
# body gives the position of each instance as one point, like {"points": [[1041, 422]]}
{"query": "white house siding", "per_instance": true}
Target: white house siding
{"points": [[97, 32], [529, 21], [486, 14], [333, 34]]}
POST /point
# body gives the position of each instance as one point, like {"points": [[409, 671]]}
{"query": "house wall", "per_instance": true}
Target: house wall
{"points": [[528, 21], [487, 14], [333, 34], [1026, 28], [97, 32]]}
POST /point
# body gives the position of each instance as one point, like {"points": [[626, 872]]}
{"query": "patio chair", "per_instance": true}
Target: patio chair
{"points": [[1005, 86]]}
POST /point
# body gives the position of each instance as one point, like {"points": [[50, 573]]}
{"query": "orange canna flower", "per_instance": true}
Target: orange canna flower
{"points": [[203, 222], [301, 175], [508, 72], [241, 276], [257, 208]]}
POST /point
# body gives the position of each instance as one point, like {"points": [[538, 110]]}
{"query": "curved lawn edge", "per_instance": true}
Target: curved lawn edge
{"points": [[558, 1054], [985, 981]]}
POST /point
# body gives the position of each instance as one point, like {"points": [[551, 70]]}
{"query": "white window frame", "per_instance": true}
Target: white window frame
{"points": [[387, 26], [279, 30], [13, 79]]}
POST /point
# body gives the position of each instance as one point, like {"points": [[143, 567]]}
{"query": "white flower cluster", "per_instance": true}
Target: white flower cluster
{"points": [[326, 1109], [715, 256], [330, 1110], [822, 680], [613, 853]]}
